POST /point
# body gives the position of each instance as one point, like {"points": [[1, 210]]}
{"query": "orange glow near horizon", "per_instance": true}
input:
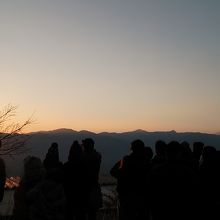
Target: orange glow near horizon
{"points": [[100, 66], [98, 129]]}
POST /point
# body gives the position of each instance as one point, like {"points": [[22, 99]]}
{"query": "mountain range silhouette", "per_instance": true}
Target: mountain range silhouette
{"points": [[111, 145]]}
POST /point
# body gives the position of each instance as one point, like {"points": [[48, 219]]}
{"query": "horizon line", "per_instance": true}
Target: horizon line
{"points": [[119, 132]]}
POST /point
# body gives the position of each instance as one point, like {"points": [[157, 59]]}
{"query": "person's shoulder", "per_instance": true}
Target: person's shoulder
{"points": [[128, 158], [97, 154]]}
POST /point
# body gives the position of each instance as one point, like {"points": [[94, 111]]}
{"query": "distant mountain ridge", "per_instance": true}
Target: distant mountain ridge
{"points": [[69, 130], [112, 145]]}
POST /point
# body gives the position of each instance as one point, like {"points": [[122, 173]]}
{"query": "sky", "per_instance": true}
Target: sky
{"points": [[112, 65]]}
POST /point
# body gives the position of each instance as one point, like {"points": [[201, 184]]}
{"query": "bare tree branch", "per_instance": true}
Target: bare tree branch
{"points": [[11, 137], [8, 111]]}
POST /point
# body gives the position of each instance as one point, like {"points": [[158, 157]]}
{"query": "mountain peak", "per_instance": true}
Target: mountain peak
{"points": [[87, 132], [62, 130], [140, 131]]}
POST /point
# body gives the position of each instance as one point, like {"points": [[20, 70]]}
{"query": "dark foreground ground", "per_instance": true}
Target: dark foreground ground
{"points": [[108, 212]]}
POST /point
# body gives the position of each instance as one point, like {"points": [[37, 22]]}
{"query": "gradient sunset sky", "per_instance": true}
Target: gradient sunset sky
{"points": [[112, 65]]}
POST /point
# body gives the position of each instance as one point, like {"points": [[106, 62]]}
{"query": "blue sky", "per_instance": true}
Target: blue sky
{"points": [[112, 65]]}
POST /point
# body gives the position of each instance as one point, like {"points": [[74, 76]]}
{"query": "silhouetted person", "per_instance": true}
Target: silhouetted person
{"points": [[186, 154], [148, 153], [2, 176], [92, 162], [39, 197], [173, 187], [131, 173], [218, 177], [52, 163], [160, 150], [74, 183], [209, 176], [34, 173]]}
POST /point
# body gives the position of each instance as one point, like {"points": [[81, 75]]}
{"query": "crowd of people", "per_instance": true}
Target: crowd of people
{"points": [[52, 190], [175, 183]]}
